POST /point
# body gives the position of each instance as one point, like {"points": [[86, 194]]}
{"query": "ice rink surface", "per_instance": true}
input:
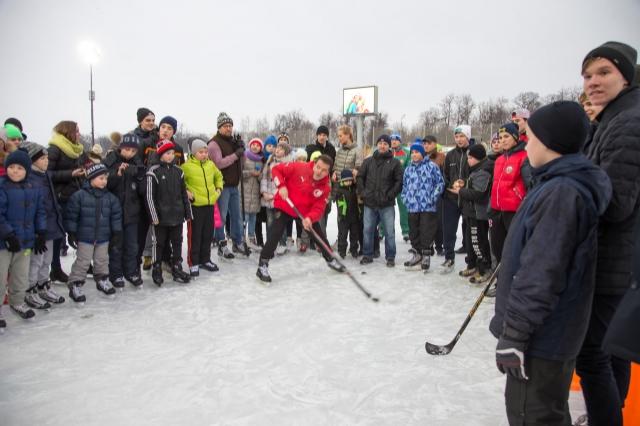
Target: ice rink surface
{"points": [[225, 350]]}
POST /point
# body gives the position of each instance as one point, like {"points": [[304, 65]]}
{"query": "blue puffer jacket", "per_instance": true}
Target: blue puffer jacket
{"points": [[55, 225], [21, 212], [422, 186], [93, 214], [547, 278]]}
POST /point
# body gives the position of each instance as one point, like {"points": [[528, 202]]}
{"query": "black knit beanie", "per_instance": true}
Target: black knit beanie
{"points": [[142, 114], [561, 126], [623, 56]]}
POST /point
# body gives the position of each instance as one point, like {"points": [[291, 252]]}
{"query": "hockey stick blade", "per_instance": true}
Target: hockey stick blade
{"points": [[446, 349]]}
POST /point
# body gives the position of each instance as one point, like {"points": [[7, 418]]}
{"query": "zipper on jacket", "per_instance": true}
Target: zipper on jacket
{"points": [[205, 185]]}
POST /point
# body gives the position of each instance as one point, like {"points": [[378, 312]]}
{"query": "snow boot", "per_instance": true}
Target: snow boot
{"points": [[135, 280], [46, 293], [105, 287], [33, 299], [467, 272], [426, 260], [147, 263], [414, 262], [391, 263], [447, 266], [23, 310], [75, 292], [241, 249], [179, 275], [156, 274], [263, 271], [194, 271], [118, 283], [333, 264], [366, 260], [57, 274], [376, 254], [209, 266], [224, 252]]}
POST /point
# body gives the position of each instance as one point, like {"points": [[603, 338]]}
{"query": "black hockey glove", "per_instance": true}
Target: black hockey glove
{"points": [[13, 243], [510, 353]]}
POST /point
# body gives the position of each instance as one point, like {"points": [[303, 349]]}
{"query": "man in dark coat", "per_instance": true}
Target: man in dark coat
{"points": [[379, 183], [546, 285], [614, 145]]}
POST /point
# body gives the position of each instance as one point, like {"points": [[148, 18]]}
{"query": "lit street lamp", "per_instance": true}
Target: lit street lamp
{"points": [[90, 54]]}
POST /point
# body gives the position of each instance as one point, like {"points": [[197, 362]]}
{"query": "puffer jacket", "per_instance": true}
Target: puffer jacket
{"points": [[615, 147], [380, 180], [350, 157], [93, 214], [477, 190], [266, 181], [128, 188], [167, 198], [60, 168], [22, 212], [422, 186], [55, 218], [511, 178], [251, 184], [203, 180]]}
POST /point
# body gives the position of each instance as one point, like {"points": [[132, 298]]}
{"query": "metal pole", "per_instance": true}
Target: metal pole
{"points": [[92, 97]]}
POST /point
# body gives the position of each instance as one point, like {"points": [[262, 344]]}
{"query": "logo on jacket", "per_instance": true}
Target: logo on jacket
{"points": [[509, 169], [317, 193]]}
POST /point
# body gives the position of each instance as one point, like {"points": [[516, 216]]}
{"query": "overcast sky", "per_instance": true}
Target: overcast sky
{"points": [[192, 59]]}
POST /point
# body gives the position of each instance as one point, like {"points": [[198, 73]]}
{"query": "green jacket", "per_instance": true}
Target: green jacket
{"points": [[203, 180], [403, 155]]}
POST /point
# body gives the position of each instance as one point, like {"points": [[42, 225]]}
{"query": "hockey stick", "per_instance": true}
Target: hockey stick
{"points": [[327, 249], [444, 350]]}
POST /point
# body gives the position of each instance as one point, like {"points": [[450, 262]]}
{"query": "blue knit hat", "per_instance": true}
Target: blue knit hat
{"points": [[130, 140], [418, 147], [20, 157], [345, 175], [396, 137], [270, 140]]}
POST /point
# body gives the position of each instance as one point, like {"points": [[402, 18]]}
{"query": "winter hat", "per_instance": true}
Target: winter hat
{"points": [[477, 151], [197, 144], [623, 56], [19, 156], [284, 135], [270, 140], [223, 119], [285, 146], [430, 139], [384, 138], [142, 113], [13, 132], [494, 137], [346, 175], [170, 121], [561, 126], [417, 146], [164, 145], [34, 150], [315, 155], [301, 154], [16, 123], [324, 130], [510, 128], [465, 129], [255, 141], [130, 140], [521, 113], [96, 170], [396, 137], [95, 154]]}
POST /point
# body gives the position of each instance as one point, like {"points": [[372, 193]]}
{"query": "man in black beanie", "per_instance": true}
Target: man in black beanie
{"points": [[608, 72], [547, 273], [325, 147]]}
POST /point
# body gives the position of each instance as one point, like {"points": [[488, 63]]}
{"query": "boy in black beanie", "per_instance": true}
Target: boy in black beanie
{"points": [[547, 276]]}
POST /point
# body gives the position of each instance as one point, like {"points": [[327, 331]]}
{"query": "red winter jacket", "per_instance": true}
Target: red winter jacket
{"points": [[509, 187], [307, 194]]}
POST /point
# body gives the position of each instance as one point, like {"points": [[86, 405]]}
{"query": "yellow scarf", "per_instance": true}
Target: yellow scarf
{"points": [[70, 149]]}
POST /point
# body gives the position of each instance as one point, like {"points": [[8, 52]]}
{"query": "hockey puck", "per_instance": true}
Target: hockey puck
{"points": [[363, 272]]}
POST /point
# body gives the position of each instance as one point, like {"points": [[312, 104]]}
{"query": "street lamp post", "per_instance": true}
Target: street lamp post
{"points": [[90, 53]]}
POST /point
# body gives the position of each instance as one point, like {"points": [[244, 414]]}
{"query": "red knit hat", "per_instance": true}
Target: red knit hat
{"points": [[164, 146]]}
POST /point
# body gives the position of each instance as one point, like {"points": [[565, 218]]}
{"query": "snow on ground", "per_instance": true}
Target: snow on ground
{"points": [[310, 349]]}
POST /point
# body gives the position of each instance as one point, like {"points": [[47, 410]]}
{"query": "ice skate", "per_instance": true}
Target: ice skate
{"points": [[333, 264], [390, 263], [58, 275], [223, 251], [253, 244], [156, 274], [147, 263], [263, 271], [415, 262], [447, 267], [103, 285], [467, 272], [479, 278], [209, 266], [33, 299], [281, 250], [75, 292], [179, 275], [46, 293], [426, 261], [194, 272], [118, 283], [23, 311], [135, 280]]}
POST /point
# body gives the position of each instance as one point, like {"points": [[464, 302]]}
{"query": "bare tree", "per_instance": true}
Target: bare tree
{"points": [[528, 100], [429, 120], [446, 113], [564, 94], [491, 114], [464, 107]]}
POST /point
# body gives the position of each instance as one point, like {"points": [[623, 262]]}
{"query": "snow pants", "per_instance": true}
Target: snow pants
{"points": [[14, 271], [98, 253], [422, 230], [39, 266]]}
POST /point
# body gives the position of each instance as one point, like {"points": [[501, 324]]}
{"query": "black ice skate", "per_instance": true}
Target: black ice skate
{"points": [[179, 275], [263, 271], [135, 280], [156, 274], [23, 311], [224, 252], [414, 262], [209, 266], [333, 264], [241, 248]]}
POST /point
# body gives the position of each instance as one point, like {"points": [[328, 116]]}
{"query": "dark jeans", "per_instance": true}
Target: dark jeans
{"points": [[479, 252], [543, 399], [499, 223], [604, 378], [386, 217], [277, 230], [438, 239], [199, 235], [123, 258], [163, 237], [422, 229], [450, 218], [348, 228]]}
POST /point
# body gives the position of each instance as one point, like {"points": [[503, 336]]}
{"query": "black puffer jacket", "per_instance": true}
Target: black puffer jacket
{"points": [[166, 195], [477, 190], [55, 223], [93, 214], [128, 188], [615, 147], [60, 168], [380, 180], [327, 149], [455, 167]]}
